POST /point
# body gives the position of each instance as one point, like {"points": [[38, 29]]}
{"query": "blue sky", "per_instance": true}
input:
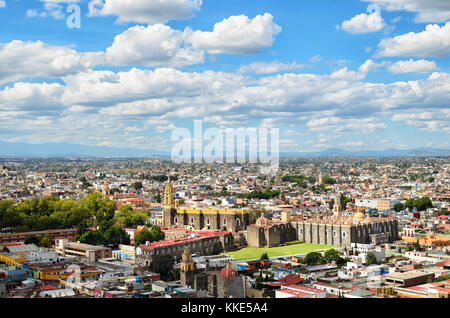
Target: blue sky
{"points": [[349, 74]]}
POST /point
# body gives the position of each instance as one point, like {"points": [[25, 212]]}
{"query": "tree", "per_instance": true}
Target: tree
{"points": [[255, 214], [371, 259], [92, 238], [328, 180], [399, 207], [157, 233], [421, 204], [264, 257], [142, 237], [46, 241], [31, 239], [332, 255], [137, 186], [417, 246], [115, 236], [313, 258]]}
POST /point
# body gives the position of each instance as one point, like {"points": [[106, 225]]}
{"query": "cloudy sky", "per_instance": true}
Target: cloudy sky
{"points": [[349, 74]]}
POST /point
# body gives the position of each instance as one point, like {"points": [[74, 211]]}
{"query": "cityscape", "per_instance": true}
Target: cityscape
{"points": [[198, 151], [135, 228]]}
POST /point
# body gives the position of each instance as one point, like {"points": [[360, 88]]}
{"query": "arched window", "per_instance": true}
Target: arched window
{"points": [[224, 221], [175, 221], [208, 222], [238, 222], [192, 220]]}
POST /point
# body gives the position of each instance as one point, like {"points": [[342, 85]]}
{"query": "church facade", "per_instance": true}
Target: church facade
{"points": [[197, 219]]}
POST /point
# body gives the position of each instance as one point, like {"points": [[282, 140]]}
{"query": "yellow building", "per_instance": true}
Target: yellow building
{"points": [[12, 259], [209, 218], [437, 241]]}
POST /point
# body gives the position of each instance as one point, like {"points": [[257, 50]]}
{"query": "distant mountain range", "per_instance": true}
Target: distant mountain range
{"points": [[420, 152], [65, 150]]}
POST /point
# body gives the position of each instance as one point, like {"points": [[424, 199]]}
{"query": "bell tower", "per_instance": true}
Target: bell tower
{"points": [[337, 208], [187, 268], [168, 205], [169, 200]]}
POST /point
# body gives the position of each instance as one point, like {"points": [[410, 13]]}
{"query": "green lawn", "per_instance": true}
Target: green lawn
{"points": [[249, 253]]}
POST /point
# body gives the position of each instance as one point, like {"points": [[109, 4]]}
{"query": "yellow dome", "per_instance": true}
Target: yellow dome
{"points": [[359, 215]]}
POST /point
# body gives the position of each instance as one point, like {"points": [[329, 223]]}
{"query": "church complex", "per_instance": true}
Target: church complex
{"points": [[336, 230]]}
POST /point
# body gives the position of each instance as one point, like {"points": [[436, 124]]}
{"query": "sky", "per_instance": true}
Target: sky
{"points": [[348, 74]]}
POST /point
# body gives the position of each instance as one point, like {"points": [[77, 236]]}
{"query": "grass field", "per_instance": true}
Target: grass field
{"points": [[249, 253]]}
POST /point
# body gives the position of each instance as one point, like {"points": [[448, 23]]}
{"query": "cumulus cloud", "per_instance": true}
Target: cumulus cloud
{"points": [[431, 121], [427, 10], [364, 69], [434, 41], [154, 45], [365, 23], [238, 35], [145, 11], [20, 60], [31, 97], [412, 66], [109, 88], [103, 101], [269, 68]]}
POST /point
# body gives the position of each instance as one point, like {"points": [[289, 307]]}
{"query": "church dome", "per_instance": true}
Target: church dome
{"points": [[262, 221], [359, 215], [228, 272]]}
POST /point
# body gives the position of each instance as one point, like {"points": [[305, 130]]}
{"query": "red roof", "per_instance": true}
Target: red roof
{"points": [[201, 235], [290, 279]]}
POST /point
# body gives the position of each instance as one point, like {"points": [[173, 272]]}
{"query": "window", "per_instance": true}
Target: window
{"points": [[334, 233], [344, 234], [208, 222], [176, 221], [326, 233], [224, 221], [192, 220], [238, 222]]}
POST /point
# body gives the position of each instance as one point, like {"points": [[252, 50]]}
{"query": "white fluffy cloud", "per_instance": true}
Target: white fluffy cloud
{"points": [[269, 68], [31, 97], [2, 4], [104, 101], [145, 11], [434, 41], [154, 45], [365, 23], [412, 66], [431, 121], [427, 10], [109, 88], [364, 69], [20, 60], [238, 35]]}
